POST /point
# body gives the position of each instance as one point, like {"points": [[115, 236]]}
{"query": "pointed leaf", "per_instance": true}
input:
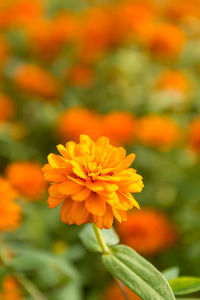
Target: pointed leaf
{"points": [[137, 273], [185, 285]]}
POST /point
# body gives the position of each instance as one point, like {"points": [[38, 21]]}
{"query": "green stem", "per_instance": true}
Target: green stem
{"points": [[100, 239], [29, 287], [106, 250]]}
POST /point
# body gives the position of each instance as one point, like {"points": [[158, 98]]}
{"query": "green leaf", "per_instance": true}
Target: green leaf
{"points": [[171, 273], [185, 285], [137, 273], [188, 298], [89, 240], [32, 259], [3, 272]]}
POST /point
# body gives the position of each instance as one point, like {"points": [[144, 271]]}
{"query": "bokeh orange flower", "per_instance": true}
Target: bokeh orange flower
{"points": [[48, 36], [36, 80], [93, 182], [80, 75], [113, 292], [158, 131], [27, 178], [7, 108], [147, 231], [174, 80], [75, 121], [118, 133], [164, 40], [194, 135], [10, 289], [10, 211]]}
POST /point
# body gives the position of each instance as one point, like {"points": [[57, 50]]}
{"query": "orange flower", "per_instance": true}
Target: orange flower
{"points": [[48, 36], [131, 19], [117, 133], [95, 33], [174, 80], [183, 10], [6, 108], [164, 39], [10, 290], [36, 80], [76, 121], [113, 292], [148, 232], [93, 182], [157, 131], [194, 135], [27, 178], [19, 12], [80, 75], [10, 211]]}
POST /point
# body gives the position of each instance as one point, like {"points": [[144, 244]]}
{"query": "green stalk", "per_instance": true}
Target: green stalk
{"points": [[106, 250]]}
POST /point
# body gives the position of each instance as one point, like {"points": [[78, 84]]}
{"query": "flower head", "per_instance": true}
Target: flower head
{"points": [[10, 211], [157, 131], [93, 182], [194, 135], [7, 108], [76, 121], [147, 231], [10, 290], [27, 178], [35, 80]]}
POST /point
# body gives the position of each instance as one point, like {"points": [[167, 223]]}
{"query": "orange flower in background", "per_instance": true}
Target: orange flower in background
{"points": [[76, 121], [147, 231], [120, 127], [183, 10], [48, 36], [174, 80], [10, 211], [27, 178], [93, 182], [10, 290], [158, 131], [96, 31], [164, 40], [36, 80], [194, 135], [80, 75], [113, 292], [19, 12], [131, 19], [7, 108]]}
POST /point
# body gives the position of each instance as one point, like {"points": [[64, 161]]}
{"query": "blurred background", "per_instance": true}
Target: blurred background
{"points": [[129, 70]]}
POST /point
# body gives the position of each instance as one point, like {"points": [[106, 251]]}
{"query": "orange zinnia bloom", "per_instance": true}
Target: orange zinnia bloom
{"points": [[7, 108], [157, 131], [36, 80], [80, 75], [194, 135], [10, 290], [174, 80], [10, 212], [147, 231], [76, 121], [118, 133], [93, 182], [113, 292], [27, 178], [164, 40]]}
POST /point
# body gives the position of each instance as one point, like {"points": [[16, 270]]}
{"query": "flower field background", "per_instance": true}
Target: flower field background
{"points": [[128, 70]]}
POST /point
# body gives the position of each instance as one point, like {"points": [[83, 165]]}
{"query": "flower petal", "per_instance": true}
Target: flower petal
{"points": [[79, 213], [82, 195], [95, 204], [69, 187], [54, 202], [66, 211]]}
